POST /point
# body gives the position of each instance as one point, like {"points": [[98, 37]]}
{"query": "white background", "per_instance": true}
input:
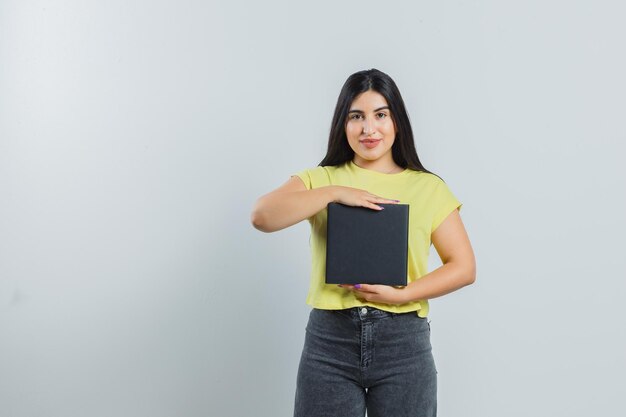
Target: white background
{"points": [[135, 137]]}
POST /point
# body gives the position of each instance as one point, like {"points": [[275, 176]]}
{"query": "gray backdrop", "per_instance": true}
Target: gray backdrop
{"points": [[136, 136]]}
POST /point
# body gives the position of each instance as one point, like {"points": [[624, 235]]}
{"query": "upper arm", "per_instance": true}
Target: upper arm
{"points": [[257, 216], [294, 183], [452, 243]]}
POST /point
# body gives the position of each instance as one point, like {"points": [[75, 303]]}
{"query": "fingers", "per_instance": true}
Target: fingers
{"points": [[380, 200], [373, 206], [359, 292], [363, 198], [377, 293], [359, 287], [365, 288]]}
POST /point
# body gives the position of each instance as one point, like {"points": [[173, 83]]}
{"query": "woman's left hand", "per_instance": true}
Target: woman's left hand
{"points": [[378, 293]]}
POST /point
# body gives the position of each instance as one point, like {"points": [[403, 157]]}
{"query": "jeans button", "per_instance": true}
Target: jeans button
{"points": [[364, 311]]}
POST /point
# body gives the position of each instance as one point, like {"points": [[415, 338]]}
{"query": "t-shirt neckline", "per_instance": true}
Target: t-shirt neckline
{"points": [[376, 173]]}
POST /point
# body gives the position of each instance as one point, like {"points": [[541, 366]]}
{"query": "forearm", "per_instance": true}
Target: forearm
{"points": [[447, 278], [276, 211]]}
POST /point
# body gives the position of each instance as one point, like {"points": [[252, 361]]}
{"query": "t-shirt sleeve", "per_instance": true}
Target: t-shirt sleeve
{"points": [[445, 202], [314, 177], [305, 176]]}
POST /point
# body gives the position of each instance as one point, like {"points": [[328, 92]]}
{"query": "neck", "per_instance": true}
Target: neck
{"points": [[384, 167]]}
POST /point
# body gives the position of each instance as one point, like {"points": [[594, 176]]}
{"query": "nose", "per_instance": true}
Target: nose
{"points": [[368, 127]]}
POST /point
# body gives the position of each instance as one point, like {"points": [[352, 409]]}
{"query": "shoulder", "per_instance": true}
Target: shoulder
{"points": [[323, 171], [425, 179], [316, 172], [318, 176], [431, 187]]}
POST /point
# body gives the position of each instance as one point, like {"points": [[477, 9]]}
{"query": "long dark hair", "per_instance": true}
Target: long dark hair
{"points": [[403, 149]]}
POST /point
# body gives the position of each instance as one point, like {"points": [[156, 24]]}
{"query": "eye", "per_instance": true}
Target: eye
{"points": [[354, 116], [382, 115]]}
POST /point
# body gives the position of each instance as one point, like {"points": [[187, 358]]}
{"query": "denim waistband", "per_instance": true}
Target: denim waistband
{"points": [[368, 312]]}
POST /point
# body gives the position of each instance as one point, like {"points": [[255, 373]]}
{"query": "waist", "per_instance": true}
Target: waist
{"points": [[369, 312]]}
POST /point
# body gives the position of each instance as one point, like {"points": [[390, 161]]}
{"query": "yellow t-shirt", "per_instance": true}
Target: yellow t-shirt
{"points": [[430, 201]]}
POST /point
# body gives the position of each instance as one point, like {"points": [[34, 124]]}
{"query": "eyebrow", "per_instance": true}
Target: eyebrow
{"points": [[362, 112]]}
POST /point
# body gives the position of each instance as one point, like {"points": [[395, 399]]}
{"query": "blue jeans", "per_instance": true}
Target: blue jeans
{"points": [[362, 359]]}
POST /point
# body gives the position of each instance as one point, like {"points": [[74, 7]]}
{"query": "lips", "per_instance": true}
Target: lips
{"points": [[371, 143]]}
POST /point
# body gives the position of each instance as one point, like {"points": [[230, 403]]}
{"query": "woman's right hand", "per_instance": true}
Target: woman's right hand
{"points": [[359, 198]]}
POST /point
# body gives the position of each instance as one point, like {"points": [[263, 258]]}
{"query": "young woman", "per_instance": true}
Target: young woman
{"points": [[367, 347]]}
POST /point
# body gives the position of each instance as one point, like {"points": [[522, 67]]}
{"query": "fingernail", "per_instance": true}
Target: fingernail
{"points": [[357, 285], [382, 208], [397, 201]]}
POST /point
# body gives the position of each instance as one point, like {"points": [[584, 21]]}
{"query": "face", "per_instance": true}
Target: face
{"points": [[370, 130]]}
